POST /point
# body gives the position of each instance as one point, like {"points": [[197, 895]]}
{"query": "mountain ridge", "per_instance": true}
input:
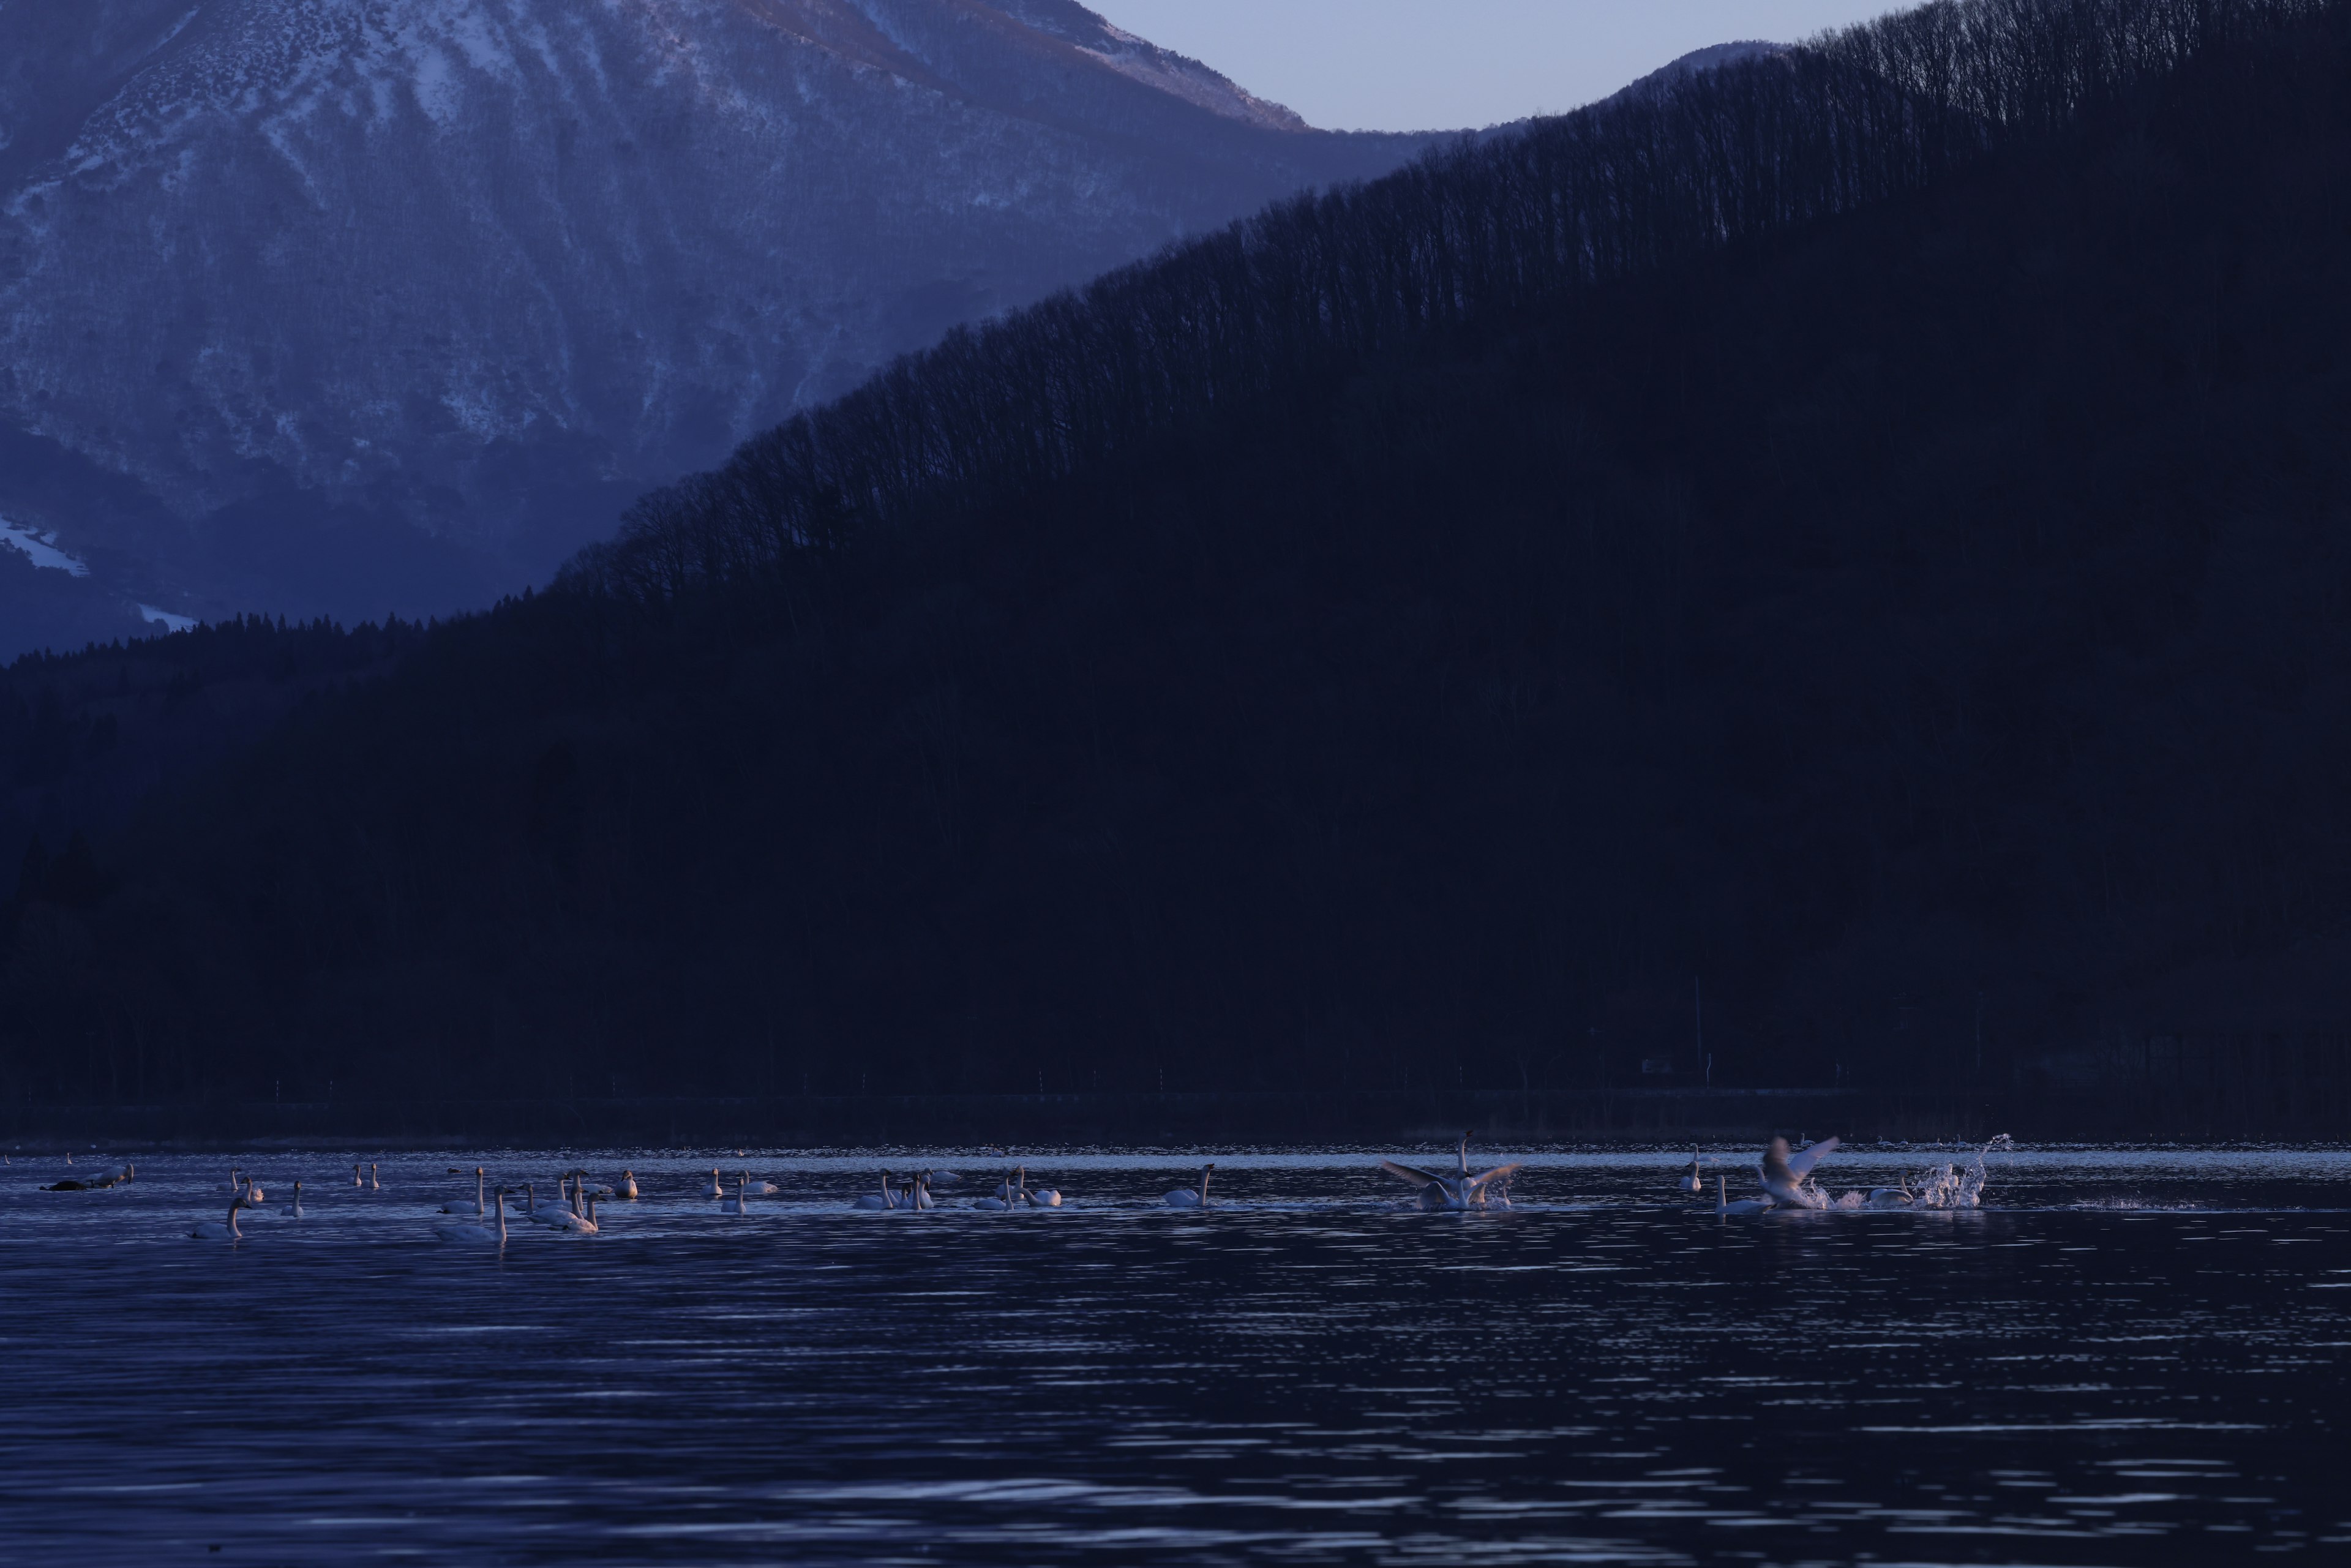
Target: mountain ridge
{"points": [[388, 306]]}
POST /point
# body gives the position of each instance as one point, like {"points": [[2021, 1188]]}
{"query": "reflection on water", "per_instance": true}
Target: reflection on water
{"points": [[2123, 1358]]}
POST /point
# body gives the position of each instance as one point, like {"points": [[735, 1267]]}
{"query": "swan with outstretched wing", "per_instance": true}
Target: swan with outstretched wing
{"points": [[1785, 1175], [1440, 1194]]}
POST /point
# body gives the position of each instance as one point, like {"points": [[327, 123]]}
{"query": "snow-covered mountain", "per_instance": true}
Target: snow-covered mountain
{"points": [[361, 305]]}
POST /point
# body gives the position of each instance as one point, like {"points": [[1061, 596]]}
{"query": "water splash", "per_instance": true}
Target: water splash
{"points": [[1939, 1186]]}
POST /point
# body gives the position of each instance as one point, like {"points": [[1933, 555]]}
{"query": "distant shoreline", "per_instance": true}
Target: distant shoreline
{"points": [[1642, 1116]]}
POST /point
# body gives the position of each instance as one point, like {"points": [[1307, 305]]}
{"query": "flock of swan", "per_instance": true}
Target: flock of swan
{"points": [[1784, 1177]]}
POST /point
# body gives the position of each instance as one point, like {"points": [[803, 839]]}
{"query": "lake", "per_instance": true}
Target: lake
{"points": [[2126, 1356]]}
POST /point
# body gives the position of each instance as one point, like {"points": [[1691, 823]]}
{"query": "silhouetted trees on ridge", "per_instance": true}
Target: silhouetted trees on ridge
{"points": [[1226, 324]]}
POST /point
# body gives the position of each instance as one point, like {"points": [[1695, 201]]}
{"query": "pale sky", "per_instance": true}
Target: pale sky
{"points": [[1426, 65]]}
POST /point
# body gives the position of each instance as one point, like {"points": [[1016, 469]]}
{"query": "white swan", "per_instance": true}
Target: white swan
{"points": [[998, 1201], [917, 1194], [235, 1178], [1695, 1180], [885, 1198], [716, 1188], [479, 1234], [762, 1184], [627, 1191], [481, 1204], [253, 1192], [357, 1178], [294, 1209], [1723, 1204], [222, 1230], [1190, 1198], [1045, 1198], [1784, 1173], [1451, 1194], [373, 1185], [738, 1204]]}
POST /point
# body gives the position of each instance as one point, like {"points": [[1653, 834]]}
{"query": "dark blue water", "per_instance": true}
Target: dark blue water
{"points": [[2123, 1358]]}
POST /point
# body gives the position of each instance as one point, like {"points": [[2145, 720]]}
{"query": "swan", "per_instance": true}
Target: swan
{"points": [[481, 1234], [1189, 1198], [715, 1188], [760, 1186], [1015, 1185], [552, 1217], [236, 1178], [738, 1204], [294, 1209], [885, 1198], [372, 1185], [576, 1218], [222, 1230], [1451, 1194], [357, 1180], [253, 1192], [1045, 1198], [947, 1176], [1723, 1204], [1784, 1173], [917, 1194], [998, 1201], [627, 1191], [1695, 1181], [481, 1205]]}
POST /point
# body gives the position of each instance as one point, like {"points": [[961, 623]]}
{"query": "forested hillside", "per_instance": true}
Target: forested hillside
{"points": [[1863, 531]]}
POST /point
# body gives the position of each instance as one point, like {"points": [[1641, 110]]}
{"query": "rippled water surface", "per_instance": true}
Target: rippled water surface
{"points": [[2126, 1357]]}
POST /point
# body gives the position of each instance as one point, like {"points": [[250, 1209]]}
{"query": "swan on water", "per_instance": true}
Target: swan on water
{"points": [[992, 1203], [627, 1191], [761, 1186], [358, 1177], [253, 1192], [1695, 1180], [738, 1204], [1451, 1194], [222, 1230], [294, 1209], [1785, 1175], [1723, 1204], [372, 1185], [917, 1194], [1190, 1197], [885, 1198], [1045, 1198], [716, 1187], [482, 1233], [1015, 1185], [481, 1207]]}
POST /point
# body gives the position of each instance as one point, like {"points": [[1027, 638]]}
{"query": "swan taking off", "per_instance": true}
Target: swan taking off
{"points": [[1186, 1197], [1784, 1173], [1449, 1193]]}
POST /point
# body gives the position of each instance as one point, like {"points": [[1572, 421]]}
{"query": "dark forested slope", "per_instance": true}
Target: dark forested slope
{"points": [[1922, 618]]}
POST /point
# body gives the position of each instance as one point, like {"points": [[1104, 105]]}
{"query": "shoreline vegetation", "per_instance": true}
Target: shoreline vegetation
{"points": [[1628, 1116]]}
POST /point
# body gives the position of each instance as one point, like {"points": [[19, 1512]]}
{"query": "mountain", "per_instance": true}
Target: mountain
{"points": [[1880, 554], [358, 306]]}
